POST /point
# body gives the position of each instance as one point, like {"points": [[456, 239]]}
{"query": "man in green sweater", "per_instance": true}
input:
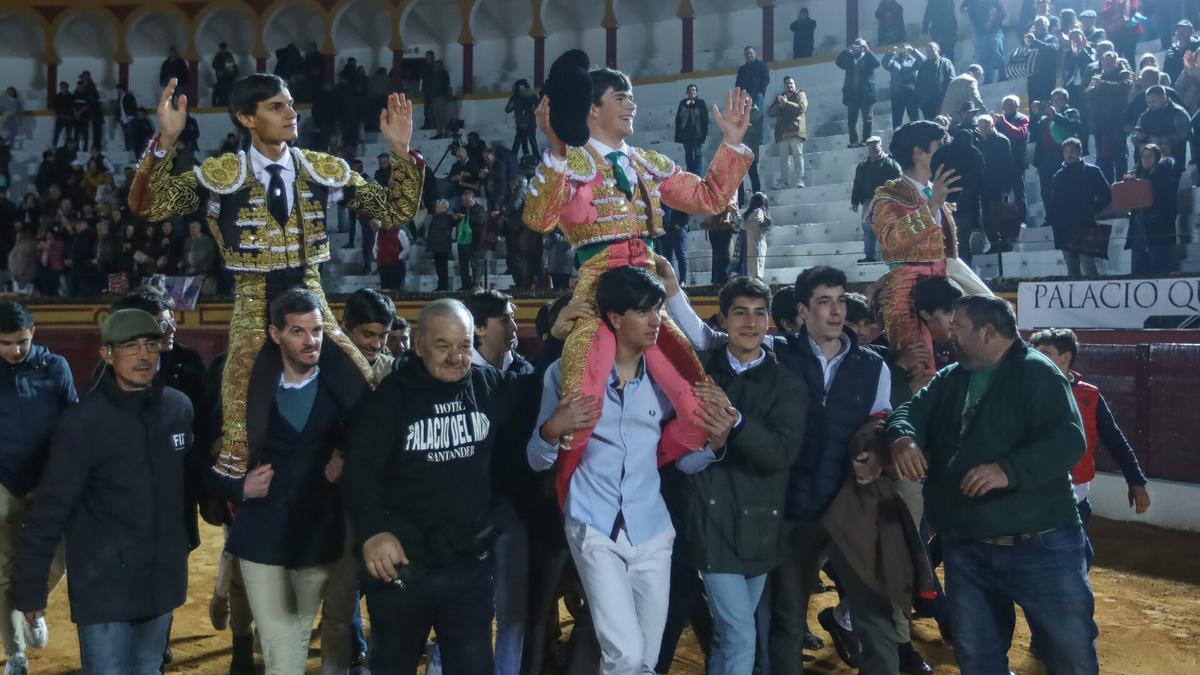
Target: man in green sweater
{"points": [[994, 437]]}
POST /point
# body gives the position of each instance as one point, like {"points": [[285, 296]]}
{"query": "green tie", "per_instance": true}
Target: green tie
{"points": [[927, 191], [619, 174]]}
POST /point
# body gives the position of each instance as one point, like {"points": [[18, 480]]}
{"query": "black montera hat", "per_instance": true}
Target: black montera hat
{"points": [[570, 92]]}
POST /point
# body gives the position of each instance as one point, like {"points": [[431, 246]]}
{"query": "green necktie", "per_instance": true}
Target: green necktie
{"points": [[619, 174], [927, 191]]}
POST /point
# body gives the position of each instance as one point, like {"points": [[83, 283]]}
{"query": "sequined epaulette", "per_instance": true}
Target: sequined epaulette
{"points": [[658, 164], [580, 165], [325, 169], [223, 174]]}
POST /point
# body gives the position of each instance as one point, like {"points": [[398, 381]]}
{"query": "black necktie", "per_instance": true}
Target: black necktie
{"points": [[276, 200]]}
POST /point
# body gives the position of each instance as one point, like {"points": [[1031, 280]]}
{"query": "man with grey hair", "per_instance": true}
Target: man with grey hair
{"points": [[418, 491]]}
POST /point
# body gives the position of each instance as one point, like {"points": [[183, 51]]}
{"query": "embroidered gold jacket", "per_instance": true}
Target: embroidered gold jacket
{"points": [[585, 202], [904, 225], [235, 203]]}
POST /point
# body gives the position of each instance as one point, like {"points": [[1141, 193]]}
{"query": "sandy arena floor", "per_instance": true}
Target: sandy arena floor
{"points": [[1146, 580]]}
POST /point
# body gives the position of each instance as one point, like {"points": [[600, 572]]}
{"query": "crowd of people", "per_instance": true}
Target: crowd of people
{"points": [[454, 524]]}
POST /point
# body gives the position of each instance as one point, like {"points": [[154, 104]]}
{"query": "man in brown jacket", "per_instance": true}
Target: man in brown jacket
{"points": [[788, 111], [1106, 98]]}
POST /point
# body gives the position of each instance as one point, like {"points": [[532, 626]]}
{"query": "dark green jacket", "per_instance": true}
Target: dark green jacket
{"points": [[730, 513], [1026, 422]]}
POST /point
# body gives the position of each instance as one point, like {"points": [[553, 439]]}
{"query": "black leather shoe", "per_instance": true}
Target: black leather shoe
{"points": [[844, 641], [913, 664], [812, 642]]}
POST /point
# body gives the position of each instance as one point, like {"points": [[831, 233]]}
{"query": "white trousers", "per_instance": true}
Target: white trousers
{"points": [[627, 590]]}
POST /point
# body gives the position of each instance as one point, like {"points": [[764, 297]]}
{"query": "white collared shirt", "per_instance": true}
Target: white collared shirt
{"points": [[738, 367], [258, 167], [937, 215], [300, 385], [478, 360]]}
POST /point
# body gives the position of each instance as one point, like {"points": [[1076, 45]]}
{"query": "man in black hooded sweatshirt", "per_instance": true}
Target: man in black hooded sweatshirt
{"points": [[417, 487]]}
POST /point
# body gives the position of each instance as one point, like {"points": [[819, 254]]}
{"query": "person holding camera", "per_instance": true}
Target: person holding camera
{"points": [[858, 89], [903, 62], [521, 105]]}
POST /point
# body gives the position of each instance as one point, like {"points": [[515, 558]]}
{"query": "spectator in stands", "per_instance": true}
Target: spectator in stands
{"points": [[756, 222], [1020, 462], [495, 179], [475, 147], [143, 129], [998, 178], [1185, 43], [1165, 124], [23, 259], [1121, 25], [200, 255], [890, 16], [718, 230], [1152, 235], [288, 60], [858, 87], [1014, 125], [691, 127], [82, 278], [753, 140], [1050, 126], [439, 95], [964, 158], [963, 91], [367, 320], [225, 71], [904, 63], [753, 76], [789, 109], [63, 106], [1087, 23], [1149, 60], [523, 246], [941, 24], [1061, 346], [988, 17], [559, 264], [81, 113], [11, 114], [1106, 97], [874, 170], [428, 69], [464, 174], [392, 251], [440, 241], [933, 79], [1077, 57], [174, 67], [1078, 194], [126, 113], [672, 244], [803, 31], [1147, 77], [521, 105], [471, 218]]}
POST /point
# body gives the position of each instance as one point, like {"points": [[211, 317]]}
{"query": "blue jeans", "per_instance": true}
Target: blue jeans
{"points": [[989, 53], [674, 249], [1047, 577], [733, 600], [870, 245], [512, 596], [123, 647]]}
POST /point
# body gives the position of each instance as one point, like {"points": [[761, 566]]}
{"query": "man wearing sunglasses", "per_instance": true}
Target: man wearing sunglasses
{"points": [[112, 487]]}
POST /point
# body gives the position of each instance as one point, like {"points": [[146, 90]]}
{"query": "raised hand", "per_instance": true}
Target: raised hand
{"points": [[943, 186], [171, 120], [395, 123], [736, 119], [557, 147]]}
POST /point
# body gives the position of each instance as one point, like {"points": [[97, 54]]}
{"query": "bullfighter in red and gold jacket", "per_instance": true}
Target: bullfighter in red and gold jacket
{"points": [[607, 198]]}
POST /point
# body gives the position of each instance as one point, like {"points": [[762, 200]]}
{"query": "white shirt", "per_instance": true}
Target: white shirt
{"points": [[937, 214], [300, 385], [478, 360], [738, 367], [258, 167]]}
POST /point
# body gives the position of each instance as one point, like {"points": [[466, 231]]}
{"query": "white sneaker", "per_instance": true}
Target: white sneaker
{"points": [[17, 665], [37, 635]]}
